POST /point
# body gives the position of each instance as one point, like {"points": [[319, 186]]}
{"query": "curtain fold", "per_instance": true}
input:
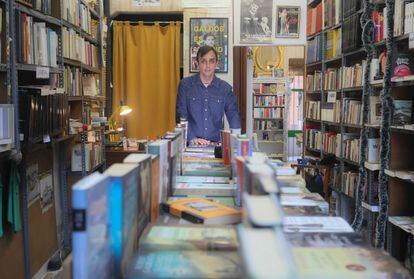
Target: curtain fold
{"points": [[146, 72]]}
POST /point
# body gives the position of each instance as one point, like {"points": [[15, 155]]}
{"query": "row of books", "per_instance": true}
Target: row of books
{"points": [[332, 12], [41, 114], [403, 17], [314, 82], [331, 111], [75, 47], [353, 76], [331, 143], [71, 12], [333, 43], [313, 109], [350, 183], [44, 6], [351, 35], [85, 21], [93, 156], [297, 82], [268, 112], [315, 19], [313, 138], [333, 78], [379, 19], [268, 88], [315, 47], [72, 81], [350, 147], [36, 44], [352, 111], [278, 100], [267, 125]]}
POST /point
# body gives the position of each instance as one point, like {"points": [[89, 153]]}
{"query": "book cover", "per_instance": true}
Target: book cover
{"points": [[316, 224], [202, 179], [186, 264], [144, 191], [225, 146], [307, 199], [155, 187], [226, 201], [160, 147], [199, 210], [303, 211], [187, 237], [90, 236], [402, 113], [123, 214]]}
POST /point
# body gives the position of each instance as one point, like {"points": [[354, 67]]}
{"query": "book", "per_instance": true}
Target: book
{"points": [[185, 264], [373, 150], [225, 146], [188, 237], [406, 223], [160, 147], [226, 201], [316, 224], [155, 188], [323, 239], [263, 211], [307, 199], [144, 189], [203, 211], [202, 179], [90, 242], [214, 189], [402, 113], [123, 214]]}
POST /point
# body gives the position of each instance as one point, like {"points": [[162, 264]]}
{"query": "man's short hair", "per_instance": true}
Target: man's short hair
{"points": [[204, 50]]}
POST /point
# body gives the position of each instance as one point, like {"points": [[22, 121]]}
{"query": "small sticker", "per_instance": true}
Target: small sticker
{"points": [[46, 138], [42, 72], [411, 41]]}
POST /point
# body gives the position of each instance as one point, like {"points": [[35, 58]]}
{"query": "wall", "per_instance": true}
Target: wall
{"points": [[128, 6]]}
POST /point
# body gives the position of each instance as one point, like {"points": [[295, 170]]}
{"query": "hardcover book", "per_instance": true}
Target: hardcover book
{"points": [[212, 190], [123, 214], [90, 236], [160, 147]]}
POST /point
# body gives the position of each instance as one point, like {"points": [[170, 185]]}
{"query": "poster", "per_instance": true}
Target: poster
{"points": [[287, 24], [46, 191], [147, 2], [256, 21], [212, 32]]}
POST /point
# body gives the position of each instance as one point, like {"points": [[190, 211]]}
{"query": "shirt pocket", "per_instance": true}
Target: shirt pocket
{"points": [[194, 103], [216, 106]]}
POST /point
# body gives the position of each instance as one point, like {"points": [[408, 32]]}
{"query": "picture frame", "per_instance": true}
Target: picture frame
{"points": [[255, 21], [287, 21], [209, 31]]}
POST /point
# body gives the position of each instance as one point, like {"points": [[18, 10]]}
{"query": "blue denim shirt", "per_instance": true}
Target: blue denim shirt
{"points": [[204, 107]]}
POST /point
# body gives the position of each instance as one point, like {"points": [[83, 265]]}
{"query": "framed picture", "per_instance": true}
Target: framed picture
{"points": [[256, 21], [212, 32], [287, 21]]}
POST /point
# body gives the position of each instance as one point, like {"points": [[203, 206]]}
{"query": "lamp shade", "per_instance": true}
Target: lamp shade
{"points": [[125, 110]]}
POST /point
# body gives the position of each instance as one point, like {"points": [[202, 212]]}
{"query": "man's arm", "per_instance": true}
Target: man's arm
{"points": [[181, 103], [231, 110]]}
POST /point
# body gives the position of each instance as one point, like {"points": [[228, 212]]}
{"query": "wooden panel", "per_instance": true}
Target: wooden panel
{"points": [[401, 156], [11, 254], [400, 196], [128, 6]]}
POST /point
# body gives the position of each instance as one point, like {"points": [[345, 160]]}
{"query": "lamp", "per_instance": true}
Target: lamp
{"points": [[122, 110]]}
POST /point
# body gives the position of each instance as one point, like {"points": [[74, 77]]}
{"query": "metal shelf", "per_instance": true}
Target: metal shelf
{"points": [[89, 37], [352, 89], [357, 126], [331, 123], [268, 106], [90, 69], [312, 120], [39, 15], [310, 37], [349, 161], [71, 26], [265, 118], [32, 68], [71, 62], [314, 64], [3, 67]]}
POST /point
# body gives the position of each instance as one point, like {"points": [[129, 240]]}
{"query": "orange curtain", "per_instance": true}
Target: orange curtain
{"points": [[146, 72]]}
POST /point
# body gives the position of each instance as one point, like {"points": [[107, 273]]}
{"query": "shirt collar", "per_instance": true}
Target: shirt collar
{"points": [[214, 82]]}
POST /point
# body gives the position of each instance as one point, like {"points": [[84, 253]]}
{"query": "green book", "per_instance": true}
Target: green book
{"points": [[227, 201], [187, 237]]}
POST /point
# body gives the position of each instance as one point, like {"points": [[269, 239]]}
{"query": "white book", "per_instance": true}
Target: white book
{"points": [[316, 224], [373, 150]]}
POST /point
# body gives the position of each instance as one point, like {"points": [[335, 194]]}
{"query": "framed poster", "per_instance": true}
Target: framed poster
{"points": [[212, 32], [256, 21], [288, 21]]}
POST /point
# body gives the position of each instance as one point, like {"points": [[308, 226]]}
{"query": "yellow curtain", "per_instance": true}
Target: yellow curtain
{"points": [[146, 72]]}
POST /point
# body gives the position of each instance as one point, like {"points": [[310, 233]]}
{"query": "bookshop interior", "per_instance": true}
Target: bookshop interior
{"points": [[206, 139]]}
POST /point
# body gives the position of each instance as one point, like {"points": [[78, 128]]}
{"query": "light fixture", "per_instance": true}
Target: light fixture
{"points": [[125, 109]]}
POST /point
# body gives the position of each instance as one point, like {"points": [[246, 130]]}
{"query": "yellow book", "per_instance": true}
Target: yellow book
{"points": [[203, 211]]}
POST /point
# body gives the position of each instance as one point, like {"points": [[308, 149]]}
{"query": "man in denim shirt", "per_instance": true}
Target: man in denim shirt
{"points": [[204, 98]]}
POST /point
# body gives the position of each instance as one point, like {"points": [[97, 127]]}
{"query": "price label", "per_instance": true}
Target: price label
{"points": [[42, 72], [411, 41]]}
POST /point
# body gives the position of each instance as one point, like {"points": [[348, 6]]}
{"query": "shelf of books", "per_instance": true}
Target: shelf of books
{"points": [[268, 113]]}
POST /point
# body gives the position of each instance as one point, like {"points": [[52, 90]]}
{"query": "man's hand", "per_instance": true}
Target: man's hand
{"points": [[200, 142]]}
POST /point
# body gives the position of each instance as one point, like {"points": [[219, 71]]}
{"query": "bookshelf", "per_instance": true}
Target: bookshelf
{"points": [[268, 114]]}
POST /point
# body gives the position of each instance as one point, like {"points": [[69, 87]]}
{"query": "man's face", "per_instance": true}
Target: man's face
{"points": [[207, 65]]}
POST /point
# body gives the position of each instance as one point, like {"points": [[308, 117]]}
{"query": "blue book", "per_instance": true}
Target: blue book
{"points": [[90, 236], [123, 213]]}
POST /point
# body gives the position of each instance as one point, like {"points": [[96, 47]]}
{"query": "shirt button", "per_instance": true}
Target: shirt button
{"points": [[205, 119], [205, 109], [193, 99], [205, 129], [205, 100]]}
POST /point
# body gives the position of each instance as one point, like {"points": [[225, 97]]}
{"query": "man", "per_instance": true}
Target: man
{"points": [[203, 99]]}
